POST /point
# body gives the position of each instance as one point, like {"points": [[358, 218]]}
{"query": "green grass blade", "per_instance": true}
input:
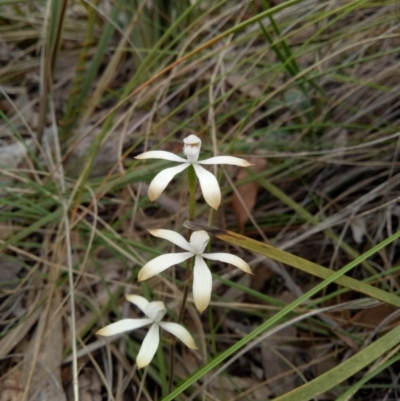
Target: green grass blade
{"points": [[345, 370], [304, 265], [51, 217], [356, 386], [86, 79]]}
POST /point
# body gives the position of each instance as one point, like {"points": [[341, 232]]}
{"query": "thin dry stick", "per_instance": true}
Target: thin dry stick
{"points": [[142, 384], [68, 251]]}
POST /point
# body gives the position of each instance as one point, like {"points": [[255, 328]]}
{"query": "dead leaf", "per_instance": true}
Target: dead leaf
{"points": [[187, 364], [90, 386], [81, 144], [45, 370], [260, 277], [277, 360], [323, 361], [10, 388], [372, 317], [6, 230], [278, 357], [12, 155], [243, 203], [301, 35], [26, 114], [11, 340], [9, 270], [236, 295], [224, 386], [105, 159], [250, 88]]}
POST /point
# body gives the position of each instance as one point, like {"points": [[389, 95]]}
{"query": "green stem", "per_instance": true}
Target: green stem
{"points": [[188, 271], [192, 190], [180, 318]]}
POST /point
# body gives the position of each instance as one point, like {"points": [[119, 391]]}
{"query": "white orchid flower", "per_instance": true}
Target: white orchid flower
{"points": [[208, 183], [154, 312], [202, 280]]}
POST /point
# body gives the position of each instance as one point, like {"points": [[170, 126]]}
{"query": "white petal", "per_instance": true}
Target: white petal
{"points": [[209, 186], [156, 311], [161, 154], [162, 179], [161, 263], [139, 301], [171, 236], [236, 161], [149, 346], [122, 326], [228, 258], [202, 284], [178, 331]]}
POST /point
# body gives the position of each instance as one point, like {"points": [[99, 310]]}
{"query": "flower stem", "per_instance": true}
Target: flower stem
{"points": [[188, 280], [192, 190], [188, 270]]}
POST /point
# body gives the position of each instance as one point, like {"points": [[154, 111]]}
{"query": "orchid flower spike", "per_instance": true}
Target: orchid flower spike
{"points": [[208, 183], [202, 280], [154, 312]]}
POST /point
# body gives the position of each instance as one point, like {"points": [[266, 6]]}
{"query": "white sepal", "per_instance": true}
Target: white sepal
{"points": [[122, 326], [236, 161], [162, 179], [229, 258], [209, 186], [161, 263], [202, 284], [171, 236], [180, 332], [149, 346], [161, 154], [139, 301]]}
